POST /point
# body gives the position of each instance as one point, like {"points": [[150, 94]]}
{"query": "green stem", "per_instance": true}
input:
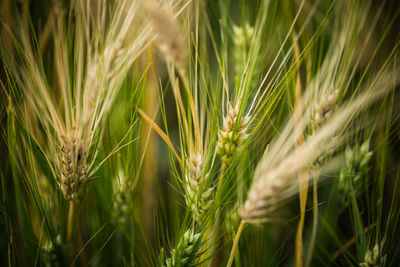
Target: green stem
{"points": [[315, 223], [235, 243], [70, 220]]}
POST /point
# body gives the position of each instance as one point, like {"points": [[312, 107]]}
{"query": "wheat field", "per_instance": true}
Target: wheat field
{"points": [[200, 133]]}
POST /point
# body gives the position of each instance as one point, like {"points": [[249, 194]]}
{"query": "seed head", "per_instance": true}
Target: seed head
{"points": [[122, 199], [170, 39], [265, 193], [199, 194], [73, 160], [357, 159], [187, 250], [232, 135], [241, 39], [374, 258], [324, 108], [52, 252]]}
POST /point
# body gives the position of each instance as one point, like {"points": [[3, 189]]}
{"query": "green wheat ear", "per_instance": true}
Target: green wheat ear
{"points": [[232, 135], [357, 159], [374, 257], [122, 205], [53, 253], [199, 194], [186, 251]]}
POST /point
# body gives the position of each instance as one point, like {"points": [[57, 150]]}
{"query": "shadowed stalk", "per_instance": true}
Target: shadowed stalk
{"points": [[235, 243], [315, 223], [70, 220], [149, 151], [70, 226], [303, 175], [161, 133]]}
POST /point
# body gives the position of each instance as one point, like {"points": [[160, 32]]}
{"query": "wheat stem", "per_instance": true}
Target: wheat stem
{"points": [[161, 133], [315, 223], [70, 219], [235, 243], [303, 176]]}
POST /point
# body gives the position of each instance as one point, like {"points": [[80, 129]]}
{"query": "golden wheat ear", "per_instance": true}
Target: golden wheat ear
{"points": [[92, 56], [273, 178], [73, 173], [168, 33]]}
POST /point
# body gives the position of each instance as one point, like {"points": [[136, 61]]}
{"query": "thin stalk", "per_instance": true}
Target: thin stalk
{"points": [[160, 133], [149, 151], [235, 243], [303, 176], [193, 109], [69, 228], [315, 223], [70, 219]]}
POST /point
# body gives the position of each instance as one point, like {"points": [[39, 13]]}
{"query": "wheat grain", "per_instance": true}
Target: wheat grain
{"points": [[186, 251], [232, 135], [199, 195], [73, 173]]}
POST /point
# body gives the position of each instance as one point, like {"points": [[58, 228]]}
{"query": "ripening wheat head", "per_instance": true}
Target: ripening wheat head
{"points": [[168, 33], [323, 113], [91, 57], [326, 115], [233, 133], [275, 176]]}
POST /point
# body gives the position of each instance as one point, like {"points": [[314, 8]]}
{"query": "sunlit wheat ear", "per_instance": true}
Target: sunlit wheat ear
{"points": [[273, 179], [170, 39], [232, 135], [325, 107], [186, 251], [199, 194], [71, 108], [73, 173]]}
